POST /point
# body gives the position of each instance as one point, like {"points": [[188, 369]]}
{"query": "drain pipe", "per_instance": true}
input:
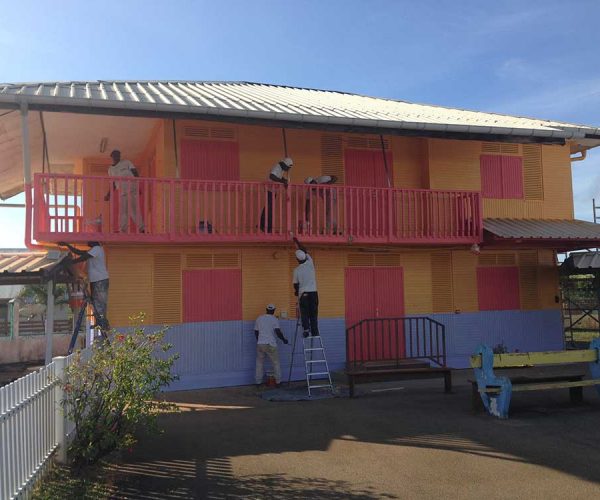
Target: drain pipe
{"points": [[27, 177]]}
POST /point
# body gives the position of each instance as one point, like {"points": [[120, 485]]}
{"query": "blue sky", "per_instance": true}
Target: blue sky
{"points": [[534, 58]]}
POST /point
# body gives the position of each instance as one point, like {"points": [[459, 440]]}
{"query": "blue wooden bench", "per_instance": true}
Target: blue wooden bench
{"points": [[496, 391]]}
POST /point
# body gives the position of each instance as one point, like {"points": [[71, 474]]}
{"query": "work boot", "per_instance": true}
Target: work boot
{"points": [[306, 333]]}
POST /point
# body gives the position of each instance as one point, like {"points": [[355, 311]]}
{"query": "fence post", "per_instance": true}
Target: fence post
{"points": [[60, 428]]}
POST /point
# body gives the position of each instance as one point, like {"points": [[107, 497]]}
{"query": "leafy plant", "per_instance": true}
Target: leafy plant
{"points": [[111, 394], [38, 294]]}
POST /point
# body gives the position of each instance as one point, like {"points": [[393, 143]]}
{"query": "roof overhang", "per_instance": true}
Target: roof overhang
{"points": [[561, 235], [30, 268]]}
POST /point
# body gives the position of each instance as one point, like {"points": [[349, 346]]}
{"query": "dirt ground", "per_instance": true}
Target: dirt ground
{"points": [[409, 440]]}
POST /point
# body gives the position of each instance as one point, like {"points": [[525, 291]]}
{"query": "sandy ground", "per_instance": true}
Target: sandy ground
{"points": [[408, 441]]}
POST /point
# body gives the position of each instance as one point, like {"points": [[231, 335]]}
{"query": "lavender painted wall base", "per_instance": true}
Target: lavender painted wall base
{"points": [[221, 354]]}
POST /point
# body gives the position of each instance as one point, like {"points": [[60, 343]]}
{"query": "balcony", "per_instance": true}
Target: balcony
{"points": [[73, 208]]}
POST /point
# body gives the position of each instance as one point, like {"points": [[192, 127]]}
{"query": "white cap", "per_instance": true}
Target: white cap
{"points": [[300, 255], [270, 307], [308, 180], [288, 161]]}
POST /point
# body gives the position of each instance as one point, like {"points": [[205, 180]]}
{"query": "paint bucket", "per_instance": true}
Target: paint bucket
{"points": [[76, 300], [271, 380]]}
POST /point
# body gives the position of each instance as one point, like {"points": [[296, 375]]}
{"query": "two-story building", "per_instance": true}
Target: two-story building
{"points": [[442, 213]]}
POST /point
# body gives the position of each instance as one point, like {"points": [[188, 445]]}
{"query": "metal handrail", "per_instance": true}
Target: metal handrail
{"points": [[393, 340]]}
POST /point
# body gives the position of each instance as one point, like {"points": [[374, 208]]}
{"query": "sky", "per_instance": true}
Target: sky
{"points": [[534, 58]]}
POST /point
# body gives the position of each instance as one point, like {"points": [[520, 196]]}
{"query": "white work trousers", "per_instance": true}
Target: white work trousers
{"points": [[129, 208], [273, 353]]}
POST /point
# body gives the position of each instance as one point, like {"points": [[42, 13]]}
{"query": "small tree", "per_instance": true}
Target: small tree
{"points": [[112, 394]]}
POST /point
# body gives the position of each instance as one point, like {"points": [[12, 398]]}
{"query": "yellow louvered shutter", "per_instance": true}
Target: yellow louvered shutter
{"points": [[332, 157], [487, 259], [360, 260], [166, 288], [441, 282], [198, 261], [387, 260], [533, 178], [227, 260], [528, 280], [506, 259]]}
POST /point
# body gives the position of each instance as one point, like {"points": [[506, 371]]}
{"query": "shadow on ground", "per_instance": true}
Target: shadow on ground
{"points": [[411, 442]]}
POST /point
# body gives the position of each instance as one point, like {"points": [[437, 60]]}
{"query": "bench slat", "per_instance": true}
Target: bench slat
{"points": [[517, 359], [547, 385]]}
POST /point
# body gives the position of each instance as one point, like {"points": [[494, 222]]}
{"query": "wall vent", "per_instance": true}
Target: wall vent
{"points": [[441, 282], [533, 176], [332, 156], [166, 288]]}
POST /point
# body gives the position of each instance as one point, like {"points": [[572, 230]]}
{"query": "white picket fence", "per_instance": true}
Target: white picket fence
{"points": [[32, 428]]}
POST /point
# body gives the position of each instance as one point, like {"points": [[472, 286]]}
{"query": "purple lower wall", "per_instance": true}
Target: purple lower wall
{"points": [[220, 354]]}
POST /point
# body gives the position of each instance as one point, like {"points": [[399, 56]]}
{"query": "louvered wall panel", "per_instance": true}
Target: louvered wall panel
{"points": [[166, 287], [533, 175], [291, 296], [506, 259], [464, 281], [558, 189], [266, 278], [417, 282], [330, 282], [410, 163], [387, 260], [362, 142], [226, 260], [130, 285], [510, 149], [454, 164], [360, 260], [490, 147], [199, 260], [195, 131], [487, 259], [332, 156], [441, 282], [528, 284]]}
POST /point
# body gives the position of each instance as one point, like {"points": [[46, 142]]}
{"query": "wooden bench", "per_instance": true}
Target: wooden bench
{"points": [[495, 392], [384, 349]]}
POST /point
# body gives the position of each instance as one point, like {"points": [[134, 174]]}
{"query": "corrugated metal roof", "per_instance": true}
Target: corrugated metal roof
{"points": [[585, 260], [543, 229], [280, 103], [28, 262]]}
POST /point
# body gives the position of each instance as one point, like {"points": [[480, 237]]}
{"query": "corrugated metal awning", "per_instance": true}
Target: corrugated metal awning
{"points": [[535, 229], [28, 267], [584, 260]]}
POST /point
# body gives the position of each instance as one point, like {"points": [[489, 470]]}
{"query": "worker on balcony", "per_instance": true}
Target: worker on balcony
{"points": [[97, 276], [277, 174], [265, 329], [330, 198], [128, 192], [305, 288]]}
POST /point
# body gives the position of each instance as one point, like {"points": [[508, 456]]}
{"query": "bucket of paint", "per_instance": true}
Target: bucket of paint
{"points": [[271, 380], [75, 300]]}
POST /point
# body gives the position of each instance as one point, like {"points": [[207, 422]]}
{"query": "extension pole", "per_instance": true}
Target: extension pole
{"points": [[298, 319]]}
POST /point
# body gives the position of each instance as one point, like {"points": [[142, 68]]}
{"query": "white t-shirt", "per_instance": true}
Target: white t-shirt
{"points": [[305, 276], [96, 266], [266, 325], [277, 171], [323, 179], [122, 169]]}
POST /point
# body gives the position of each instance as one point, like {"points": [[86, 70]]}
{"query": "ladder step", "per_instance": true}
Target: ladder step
{"points": [[317, 373], [320, 386], [314, 349], [316, 361]]}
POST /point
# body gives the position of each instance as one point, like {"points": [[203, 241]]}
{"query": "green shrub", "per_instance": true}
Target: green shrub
{"points": [[111, 394]]}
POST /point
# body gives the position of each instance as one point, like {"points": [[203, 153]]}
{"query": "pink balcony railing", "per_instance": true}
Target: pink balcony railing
{"points": [[76, 208]]}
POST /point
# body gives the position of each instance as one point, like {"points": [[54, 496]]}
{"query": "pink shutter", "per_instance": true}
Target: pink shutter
{"points": [[491, 176], [498, 288], [210, 160], [366, 168], [512, 177], [212, 295]]}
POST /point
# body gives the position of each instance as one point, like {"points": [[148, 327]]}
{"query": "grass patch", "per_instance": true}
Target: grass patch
{"points": [[93, 483]]}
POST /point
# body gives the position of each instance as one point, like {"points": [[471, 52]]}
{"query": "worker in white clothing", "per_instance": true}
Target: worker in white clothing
{"points": [[128, 192], [275, 175], [305, 287], [330, 198], [265, 329]]}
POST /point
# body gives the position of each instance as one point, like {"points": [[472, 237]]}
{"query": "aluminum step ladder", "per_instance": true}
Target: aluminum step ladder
{"points": [[315, 364]]}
